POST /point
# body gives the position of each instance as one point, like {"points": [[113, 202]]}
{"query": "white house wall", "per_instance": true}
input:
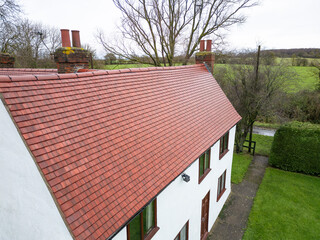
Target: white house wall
{"points": [[27, 210], [181, 201]]}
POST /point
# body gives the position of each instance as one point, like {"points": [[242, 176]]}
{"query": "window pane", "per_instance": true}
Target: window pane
{"points": [[134, 228], [148, 218], [222, 182], [221, 145], [226, 141], [183, 233], [177, 238], [207, 157], [219, 185], [201, 159]]}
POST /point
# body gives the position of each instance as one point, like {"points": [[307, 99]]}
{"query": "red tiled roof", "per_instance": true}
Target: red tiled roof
{"points": [[108, 142]]}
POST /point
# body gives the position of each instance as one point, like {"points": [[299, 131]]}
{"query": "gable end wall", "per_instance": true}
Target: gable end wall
{"points": [[27, 210]]}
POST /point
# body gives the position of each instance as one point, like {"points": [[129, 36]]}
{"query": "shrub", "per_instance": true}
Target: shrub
{"points": [[296, 148]]}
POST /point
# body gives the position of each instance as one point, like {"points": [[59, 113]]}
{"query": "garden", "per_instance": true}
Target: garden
{"points": [[286, 205]]}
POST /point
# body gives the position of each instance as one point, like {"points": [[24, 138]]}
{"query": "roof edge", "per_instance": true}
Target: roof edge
{"points": [[92, 72]]}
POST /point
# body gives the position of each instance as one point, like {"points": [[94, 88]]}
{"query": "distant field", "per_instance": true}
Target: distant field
{"points": [[308, 77], [123, 66], [289, 60]]}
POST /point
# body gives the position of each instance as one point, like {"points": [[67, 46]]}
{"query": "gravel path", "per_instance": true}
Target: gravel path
{"points": [[233, 218]]}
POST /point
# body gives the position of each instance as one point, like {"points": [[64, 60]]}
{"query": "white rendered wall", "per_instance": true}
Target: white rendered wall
{"points": [[27, 210], [181, 201]]}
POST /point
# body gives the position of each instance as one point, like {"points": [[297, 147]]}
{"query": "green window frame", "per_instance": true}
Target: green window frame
{"points": [[204, 164], [224, 142], [144, 225]]}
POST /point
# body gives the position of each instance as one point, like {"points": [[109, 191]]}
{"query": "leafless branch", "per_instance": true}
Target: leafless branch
{"points": [[158, 28]]}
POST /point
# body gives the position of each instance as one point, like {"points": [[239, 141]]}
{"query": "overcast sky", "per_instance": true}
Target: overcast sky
{"points": [[273, 24]]}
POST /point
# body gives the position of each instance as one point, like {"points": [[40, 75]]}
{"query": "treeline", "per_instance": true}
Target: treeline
{"points": [[261, 93], [31, 43], [269, 57], [111, 58], [297, 52]]}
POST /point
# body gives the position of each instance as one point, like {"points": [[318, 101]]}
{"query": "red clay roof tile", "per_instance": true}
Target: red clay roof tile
{"points": [[109, 141]]}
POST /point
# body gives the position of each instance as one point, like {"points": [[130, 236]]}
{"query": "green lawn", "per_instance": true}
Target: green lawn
{"points": [[263, 144], [240, 164], [286, 207], [308, 78], [124, 66], [136, 65], [267, 125], [288, 61]]}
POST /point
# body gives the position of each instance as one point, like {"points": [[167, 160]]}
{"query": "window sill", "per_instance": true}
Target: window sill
{"points": [[204, 175], [220, 195], [222, 154], [152, 233]]}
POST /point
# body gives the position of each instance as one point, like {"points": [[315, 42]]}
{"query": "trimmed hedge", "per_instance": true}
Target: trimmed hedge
{"points": [[296, 148]]}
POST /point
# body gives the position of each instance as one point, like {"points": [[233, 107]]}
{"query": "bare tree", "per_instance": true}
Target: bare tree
{"points": [[33, 43], [250, 93], [9, 11], [7, 35], [9, 14], [161, 28]]}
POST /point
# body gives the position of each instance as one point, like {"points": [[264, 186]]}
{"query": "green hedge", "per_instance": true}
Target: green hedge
{"points": [[296, 148]]}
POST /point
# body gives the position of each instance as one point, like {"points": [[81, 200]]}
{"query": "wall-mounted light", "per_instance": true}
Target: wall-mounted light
{"points": [[185, 177]]}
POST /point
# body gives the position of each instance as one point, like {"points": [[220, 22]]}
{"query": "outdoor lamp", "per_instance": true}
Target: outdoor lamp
{"points": [[185, 177]]}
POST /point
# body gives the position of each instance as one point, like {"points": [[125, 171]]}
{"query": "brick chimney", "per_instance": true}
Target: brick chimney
{"points": [[71, 59], [6, 60], [205, 55]]}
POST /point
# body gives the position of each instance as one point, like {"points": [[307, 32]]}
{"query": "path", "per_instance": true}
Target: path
{"points": [[233, 218], [264, 131]]}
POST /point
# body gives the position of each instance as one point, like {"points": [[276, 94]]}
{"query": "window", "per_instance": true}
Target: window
{"points": [[183, 234], [144, 225], [204, 164], [224, 145], [221, 185]]}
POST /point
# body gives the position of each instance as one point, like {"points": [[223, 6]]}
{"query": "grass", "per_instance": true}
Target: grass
{"points": [[263, 144], [124, 66], [288, 61], [267, 125], [308, 78], [286, 207], [136, 65], [241, 161], [240, 164]]}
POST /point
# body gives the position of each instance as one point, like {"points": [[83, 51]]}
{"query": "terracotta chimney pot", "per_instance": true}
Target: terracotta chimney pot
{"points": [[205, 56], [209, 43], [201, 45], [71, 59], [76, 38], [65, 38]]}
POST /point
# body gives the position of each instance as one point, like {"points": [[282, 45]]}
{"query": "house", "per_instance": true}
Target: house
{"points": [[121, 154]]}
